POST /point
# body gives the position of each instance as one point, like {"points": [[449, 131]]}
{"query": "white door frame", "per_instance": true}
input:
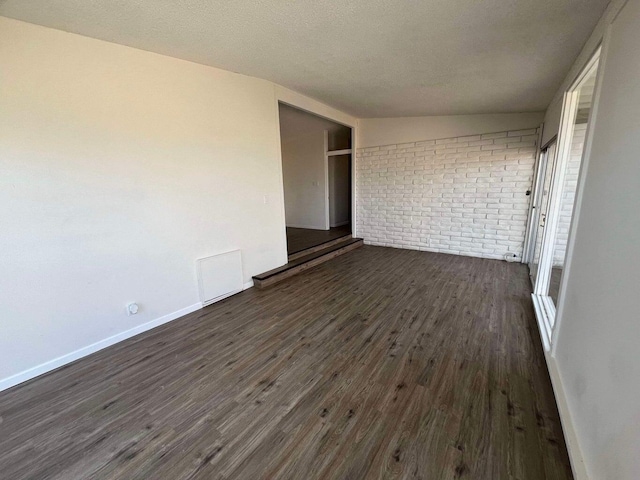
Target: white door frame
{"points": [[544, 306], [327, 156], [532, 219], [327, 209], [538, 192]]}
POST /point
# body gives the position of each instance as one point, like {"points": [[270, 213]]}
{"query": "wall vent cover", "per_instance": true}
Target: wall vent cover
{"points": [[219, 276]]}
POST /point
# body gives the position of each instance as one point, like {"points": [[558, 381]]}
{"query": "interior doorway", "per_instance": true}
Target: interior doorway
{"points": [[554, 203], [317, 175], [339, 190]]}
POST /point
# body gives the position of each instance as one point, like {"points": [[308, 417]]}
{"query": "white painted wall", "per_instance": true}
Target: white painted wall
{"points": [[304, 166], [552, 115], [598, 336], [373, 132], [120, 168], [303, 170], [463, 195]]}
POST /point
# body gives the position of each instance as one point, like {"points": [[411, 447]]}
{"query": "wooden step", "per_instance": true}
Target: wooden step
{"points": [[308, 251], [303, 263]]}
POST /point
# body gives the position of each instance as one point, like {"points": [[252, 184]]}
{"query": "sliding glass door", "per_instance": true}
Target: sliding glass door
{"points": [[553, 206], [541, 195]]}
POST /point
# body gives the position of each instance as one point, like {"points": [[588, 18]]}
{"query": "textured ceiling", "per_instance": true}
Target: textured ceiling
{"points": [[370, 58]]}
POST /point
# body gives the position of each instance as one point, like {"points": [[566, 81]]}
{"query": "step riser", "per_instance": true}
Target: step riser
{"points": [[308, 251], [305, 266]]}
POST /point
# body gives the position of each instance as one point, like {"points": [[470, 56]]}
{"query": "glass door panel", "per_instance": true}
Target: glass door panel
{"points": [[558, 186], [568, 184], [541, 204]]}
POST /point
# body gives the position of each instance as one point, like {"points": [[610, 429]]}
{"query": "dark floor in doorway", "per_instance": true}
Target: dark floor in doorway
{"points": [[302, 238]]}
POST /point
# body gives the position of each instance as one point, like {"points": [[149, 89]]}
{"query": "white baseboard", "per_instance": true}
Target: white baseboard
{"points": [[573, 446], [94, 347]]}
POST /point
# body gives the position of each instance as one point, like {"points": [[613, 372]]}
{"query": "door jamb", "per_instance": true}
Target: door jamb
{"points": [[546, 310], [327, 212], [529, 245]]}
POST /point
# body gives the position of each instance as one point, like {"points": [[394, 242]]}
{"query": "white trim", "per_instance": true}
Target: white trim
{"points": [[283, 233], [570, 435], [247, 285], [532, 218], [354, 213], [582, 175], [546, 309], [94, 347], [545, 312], [327, 200], [546, 166], [549, 315], [545, 334], [587, 70], [333, 153], [563, 152]]}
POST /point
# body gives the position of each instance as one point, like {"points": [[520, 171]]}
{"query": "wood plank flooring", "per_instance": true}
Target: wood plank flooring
{"points": [[302, 238], [301, 264], [381, 363]]}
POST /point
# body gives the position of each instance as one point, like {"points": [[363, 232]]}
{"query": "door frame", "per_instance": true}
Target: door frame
{"points": [[536, 192], [327, 208], [327, 156], [526, 251], [297, 100], [547, 162], [545, 309]]}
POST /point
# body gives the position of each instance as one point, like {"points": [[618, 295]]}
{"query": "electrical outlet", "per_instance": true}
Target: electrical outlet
{"points": [[132, 309]]}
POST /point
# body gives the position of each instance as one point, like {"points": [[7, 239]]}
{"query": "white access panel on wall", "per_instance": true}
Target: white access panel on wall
{"points": [[219, 276]]}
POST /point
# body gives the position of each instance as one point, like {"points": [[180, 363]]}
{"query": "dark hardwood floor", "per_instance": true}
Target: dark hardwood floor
{"points": [[302, 238], [381, 363]]}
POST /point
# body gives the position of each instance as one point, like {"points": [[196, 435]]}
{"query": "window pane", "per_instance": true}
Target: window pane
{"points": [[547, 162], [569, 185]]}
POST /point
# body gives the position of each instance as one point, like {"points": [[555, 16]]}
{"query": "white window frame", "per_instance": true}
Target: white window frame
{"points": [[545, 309]]}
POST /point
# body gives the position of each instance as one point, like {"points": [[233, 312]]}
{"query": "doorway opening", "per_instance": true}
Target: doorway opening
{"points": [[554, 199], [317, 175]]}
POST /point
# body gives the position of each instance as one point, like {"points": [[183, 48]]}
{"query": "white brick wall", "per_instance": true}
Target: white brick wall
{"points": [[463, 195], [569, 193]]}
